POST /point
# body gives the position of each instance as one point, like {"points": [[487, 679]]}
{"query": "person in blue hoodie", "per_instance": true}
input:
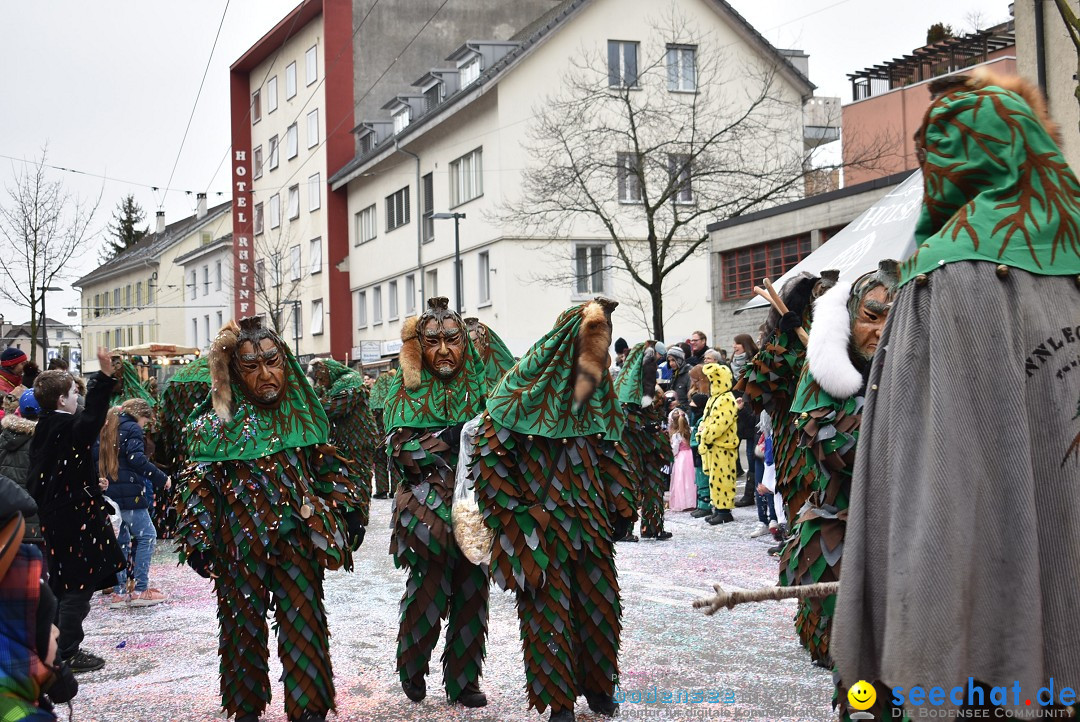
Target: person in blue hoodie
{"points": [[122, 460]]}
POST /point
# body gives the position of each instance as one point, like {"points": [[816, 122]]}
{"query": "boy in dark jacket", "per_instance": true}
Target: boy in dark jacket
{"points": [[81, 549]]}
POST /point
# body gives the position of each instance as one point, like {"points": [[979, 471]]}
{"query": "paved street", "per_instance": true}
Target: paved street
{"points": [[162, 661]]}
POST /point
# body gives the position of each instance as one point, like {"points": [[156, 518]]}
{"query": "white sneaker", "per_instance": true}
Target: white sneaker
{"points": [[761, 530]]}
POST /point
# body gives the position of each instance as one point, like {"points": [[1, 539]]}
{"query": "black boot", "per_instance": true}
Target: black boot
{"points": [[663, 536], [471, 696], [309, 717], [416, 691], [562, 715], [249, 717], [722, 516], [699, 513], [746, 501], [602, 703]]}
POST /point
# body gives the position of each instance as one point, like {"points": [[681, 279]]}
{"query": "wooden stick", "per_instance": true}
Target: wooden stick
{"points": [[723, 599], [769, 294]]}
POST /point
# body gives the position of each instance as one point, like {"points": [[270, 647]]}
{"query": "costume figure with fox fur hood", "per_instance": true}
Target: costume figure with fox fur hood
{"points": [[440, 385], [643, 437], [962, 551], [848, 319], [718, 438], [266, 505], [554, 485]]}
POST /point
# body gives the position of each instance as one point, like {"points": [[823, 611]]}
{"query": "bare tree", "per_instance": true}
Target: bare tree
{"points": [[278, 278], [646, 147], [1072, 24], [42, 227]]}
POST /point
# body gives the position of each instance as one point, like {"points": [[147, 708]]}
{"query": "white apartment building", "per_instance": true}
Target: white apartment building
{"points": [[143, 295], [207, 272], [455, 143]]}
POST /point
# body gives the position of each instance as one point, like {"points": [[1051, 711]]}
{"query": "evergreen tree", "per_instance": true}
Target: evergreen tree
{"points": [[938, 32], [124, 229]]}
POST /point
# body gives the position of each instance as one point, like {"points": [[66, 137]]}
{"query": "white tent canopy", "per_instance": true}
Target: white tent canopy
{"points": [[884, 230], [156, 349]]}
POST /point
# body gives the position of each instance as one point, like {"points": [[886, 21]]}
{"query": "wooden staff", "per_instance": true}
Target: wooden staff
{"points": [[723, 599], [769, 294]]}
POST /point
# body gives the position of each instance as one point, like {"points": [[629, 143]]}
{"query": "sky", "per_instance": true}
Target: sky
{"points": [[109, 87]]}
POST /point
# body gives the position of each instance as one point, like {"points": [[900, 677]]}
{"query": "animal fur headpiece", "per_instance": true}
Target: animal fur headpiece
{"points": [[829, 351], [222, 358], [591, 346], [411, 357]]}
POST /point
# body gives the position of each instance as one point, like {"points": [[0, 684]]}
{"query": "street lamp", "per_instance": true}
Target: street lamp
{"points": [[44, 332], [457, 252]]}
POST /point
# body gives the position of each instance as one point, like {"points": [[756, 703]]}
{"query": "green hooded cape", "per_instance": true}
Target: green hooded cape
{"points": [[255, 432], [498, 359], [132, 386], [341, 377], [997, 188], [628, 383], [437, 403], [198, 371], [380, 389], [535, 396]]}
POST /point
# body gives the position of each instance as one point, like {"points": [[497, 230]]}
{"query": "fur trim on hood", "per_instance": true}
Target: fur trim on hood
{"points": [[410, 358], [218, 360], [830, 338], [593, 339], [18, 424]]}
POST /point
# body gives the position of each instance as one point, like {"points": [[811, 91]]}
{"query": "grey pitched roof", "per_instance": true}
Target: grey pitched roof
{"points": [[148, 249], [528, 37]]}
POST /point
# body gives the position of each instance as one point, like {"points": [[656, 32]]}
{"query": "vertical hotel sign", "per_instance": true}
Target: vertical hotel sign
{"points": [[243, 248]]}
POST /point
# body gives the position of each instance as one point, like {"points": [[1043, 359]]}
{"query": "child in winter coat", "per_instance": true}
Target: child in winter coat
{"points": [[683, 489], [132, 479], [718, 442]]}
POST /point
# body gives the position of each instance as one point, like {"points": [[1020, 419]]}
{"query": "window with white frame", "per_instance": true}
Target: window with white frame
{"points": [[294, 264], [410, 295], [361, 309], [297, 319], [272, 147], [376, 305], [257, 162], [271, 95], [316, 317], [429, 207], [397, 209], [217, 277], [679, 171], [469, 73], [294, 202], [275, 270], [401, 120], [628, 172], [391, 299], [205, 278], [275, 211], [116, 296], [219, 325], [311, 64], [315, 256], [127, 292], [257, 219], [193, 283], [142, 335], [365, 225], [467, 177], [206, 329], [431, 282], [483, 272], [314, 192], [622, 64], [138, 293], [290, 80], [256, 110], [260, 275], [291, 142], [681, 68], [194, 332], [367, 142], [588, 269], [313, 128]]}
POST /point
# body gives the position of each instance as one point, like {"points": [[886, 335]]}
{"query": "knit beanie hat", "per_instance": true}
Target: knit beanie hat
{"points": [[12, 357], [676, 352]]}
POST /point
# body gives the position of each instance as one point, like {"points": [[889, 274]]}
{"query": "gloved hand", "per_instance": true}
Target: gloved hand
{"points": [[200, 562], [620, 527], [63, 686], [451, 435], [790, 321], [354, 529]]}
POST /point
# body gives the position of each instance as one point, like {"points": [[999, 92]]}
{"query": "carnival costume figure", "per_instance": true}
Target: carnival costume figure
{"points": [[848, 320], [352, 425], [381, 466], [440, 386], [266, 506], [643, 437], [492, 350], [718, 440], [552, 481], [962, 550], [182, 395]]}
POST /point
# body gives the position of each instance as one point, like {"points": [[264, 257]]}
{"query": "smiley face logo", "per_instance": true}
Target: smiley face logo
{"points": [[862, 695]]}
